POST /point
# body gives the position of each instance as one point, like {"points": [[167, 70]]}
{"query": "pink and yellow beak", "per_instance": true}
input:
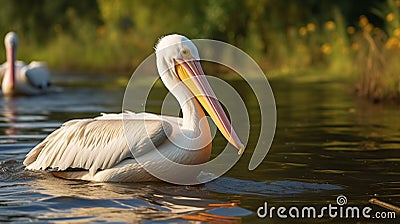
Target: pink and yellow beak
{"points": [[192, 75]]}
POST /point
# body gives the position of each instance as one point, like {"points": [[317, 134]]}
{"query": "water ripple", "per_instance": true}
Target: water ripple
{"points": [[267, 188]]}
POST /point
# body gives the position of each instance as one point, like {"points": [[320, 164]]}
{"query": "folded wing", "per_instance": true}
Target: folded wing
{"points": [[96, 144]]}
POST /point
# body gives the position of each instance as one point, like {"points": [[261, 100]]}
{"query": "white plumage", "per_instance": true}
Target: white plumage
{"points": [[19, 78], [108, 148]]}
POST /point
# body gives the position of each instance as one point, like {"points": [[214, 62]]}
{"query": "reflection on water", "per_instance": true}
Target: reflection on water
{"points": [[327, 143], [25, 194]]}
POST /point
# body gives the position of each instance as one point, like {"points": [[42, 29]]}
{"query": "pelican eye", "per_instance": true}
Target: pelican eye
{"points": [[185, 53]]}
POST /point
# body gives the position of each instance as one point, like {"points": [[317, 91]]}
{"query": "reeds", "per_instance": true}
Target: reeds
{"points": [[326, 49], [378, 56]]}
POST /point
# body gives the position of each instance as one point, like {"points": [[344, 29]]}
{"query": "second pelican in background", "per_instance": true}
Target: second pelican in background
{"points": [[19, 78]]}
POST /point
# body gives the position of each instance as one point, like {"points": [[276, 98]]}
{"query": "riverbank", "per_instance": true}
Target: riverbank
{"points": [[317, 50]]}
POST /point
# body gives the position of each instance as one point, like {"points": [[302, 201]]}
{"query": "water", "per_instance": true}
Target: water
{"points": [[327, 144]]}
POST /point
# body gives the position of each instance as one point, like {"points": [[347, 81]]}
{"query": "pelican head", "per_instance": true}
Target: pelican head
{"points": [[178, 62], [11, 40], [11, 43]]}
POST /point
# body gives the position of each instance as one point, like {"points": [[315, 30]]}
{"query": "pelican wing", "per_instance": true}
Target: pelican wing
{"points": [[37, 74], [98, 143]]}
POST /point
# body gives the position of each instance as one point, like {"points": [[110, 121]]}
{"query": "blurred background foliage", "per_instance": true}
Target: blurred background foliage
{"points": [[341, 38]]}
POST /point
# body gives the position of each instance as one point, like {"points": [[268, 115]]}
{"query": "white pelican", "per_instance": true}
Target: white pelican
{"points": [[22, 79], [98, 149]]}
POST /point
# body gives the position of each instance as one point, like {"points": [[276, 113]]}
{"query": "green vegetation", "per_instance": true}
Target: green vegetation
{"points": [[379, 55], [345, 39]]}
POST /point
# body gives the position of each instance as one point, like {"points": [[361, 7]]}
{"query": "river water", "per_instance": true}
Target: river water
{"points": [[328, 144]]}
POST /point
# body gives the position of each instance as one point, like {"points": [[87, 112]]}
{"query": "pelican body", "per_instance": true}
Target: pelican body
{"points": [[20, 78], [120, 147]]}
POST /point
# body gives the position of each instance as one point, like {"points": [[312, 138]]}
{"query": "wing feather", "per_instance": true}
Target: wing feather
{"points": [[94, 144], [37, 74]]}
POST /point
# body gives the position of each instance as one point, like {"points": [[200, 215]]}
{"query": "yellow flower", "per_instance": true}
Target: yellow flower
{"points": [[101, 31], [330, 25], [311, 27], [391, 42], [303, 31], [326, 49], [390, 17], [351, 30], [363, 21], [355, 46], [396, 32], [368, 27]]}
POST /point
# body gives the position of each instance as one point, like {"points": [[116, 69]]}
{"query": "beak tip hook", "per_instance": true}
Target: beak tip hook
{"points": [[241, 150]]}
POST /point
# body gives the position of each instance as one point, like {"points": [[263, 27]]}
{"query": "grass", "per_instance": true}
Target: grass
{"points": [[90, 50], [378, 57], [364, 54], [315, 51]]}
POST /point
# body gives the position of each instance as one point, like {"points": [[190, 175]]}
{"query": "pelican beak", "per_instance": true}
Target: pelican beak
{"points": [[192, 75]]}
